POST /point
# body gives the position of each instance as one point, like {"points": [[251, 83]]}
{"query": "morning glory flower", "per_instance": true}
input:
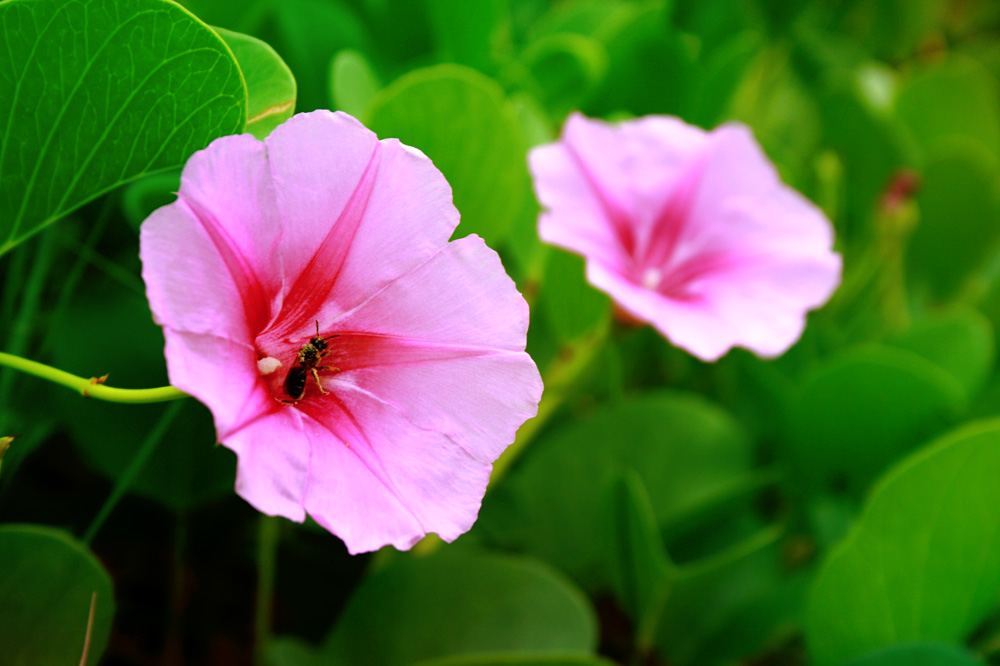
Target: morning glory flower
{"points": [[690, 231], [364, 369]]}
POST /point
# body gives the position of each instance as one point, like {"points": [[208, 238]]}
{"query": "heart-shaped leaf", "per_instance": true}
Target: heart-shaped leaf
{"points": [[923, 563], [95, 93], [57, 600], [271, 87]]}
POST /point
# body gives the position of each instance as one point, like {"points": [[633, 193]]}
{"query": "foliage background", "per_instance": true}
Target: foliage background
{"points": [[835, 506]]}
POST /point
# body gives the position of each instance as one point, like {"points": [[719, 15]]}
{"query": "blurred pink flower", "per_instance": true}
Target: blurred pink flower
{"points": [[424, 377], [688, 230]]}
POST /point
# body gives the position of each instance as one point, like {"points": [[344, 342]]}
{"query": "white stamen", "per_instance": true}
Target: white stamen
{"points": [[651, 278], [268, 364]]}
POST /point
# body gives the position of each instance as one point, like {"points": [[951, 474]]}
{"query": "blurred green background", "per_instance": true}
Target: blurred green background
{"points": [[838, 505]]}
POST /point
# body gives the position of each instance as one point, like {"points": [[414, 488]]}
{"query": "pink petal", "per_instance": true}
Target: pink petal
{"points": [[386, 211], [448, 350], [274, 454], [378, 479], [220, 373], [568, 196], [213, 250], [718, 252]]}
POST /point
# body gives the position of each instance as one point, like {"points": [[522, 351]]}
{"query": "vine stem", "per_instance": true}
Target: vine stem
{"points": [[93, 387]]}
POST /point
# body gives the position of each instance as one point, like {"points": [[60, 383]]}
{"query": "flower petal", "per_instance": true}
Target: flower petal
{"points": [[386, 211], [220, 373], [378, 479], [718, 252], [211, 252], [274, 461], [447, 349]]}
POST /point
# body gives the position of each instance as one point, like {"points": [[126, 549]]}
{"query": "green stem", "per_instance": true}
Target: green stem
{"points": [[267, 556], [93, 387], [138, 462]]}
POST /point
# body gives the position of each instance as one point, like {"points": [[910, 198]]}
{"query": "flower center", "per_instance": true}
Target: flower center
{"points": [[651, 278]]}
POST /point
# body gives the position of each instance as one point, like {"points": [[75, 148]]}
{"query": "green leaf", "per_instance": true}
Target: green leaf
{"points": [[708, 595], [719, 76], [572, 306], [353, 82], [857, 413], [959, 227], [960, 341], [894, 29], [145, 195], [270, 85], [567, 68], [462, 121], [467, 32], [923, 562], [633, 85], [921, 654], [871, 146], [50, 585], [117, 337], [956, 97], [640, 568], [307, 34], [461, 604], [95, 93], [516, 659], [685, 449]]}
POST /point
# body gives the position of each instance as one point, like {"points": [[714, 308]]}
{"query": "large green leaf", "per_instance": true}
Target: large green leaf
{"points": [[686, 450], [960, 341], [640, 568], [307, 34], [959, 226], [919, 654], [632, 82], [955, 97], [462, 121], [270, 85], [53, 592], [566, 69], [461, 604], [467, 32], [923, 562], [858, 412], [95, 93], [353, 82]]}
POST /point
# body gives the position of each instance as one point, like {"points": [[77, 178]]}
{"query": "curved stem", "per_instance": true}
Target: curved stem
{"points": [[93, 387]]}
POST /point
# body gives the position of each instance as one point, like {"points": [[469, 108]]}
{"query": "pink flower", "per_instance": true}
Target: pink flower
{"points": [[690, 231], [423, 380]]}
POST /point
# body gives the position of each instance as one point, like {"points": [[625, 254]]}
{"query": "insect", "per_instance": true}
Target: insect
{"points": [[308, 359]]}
